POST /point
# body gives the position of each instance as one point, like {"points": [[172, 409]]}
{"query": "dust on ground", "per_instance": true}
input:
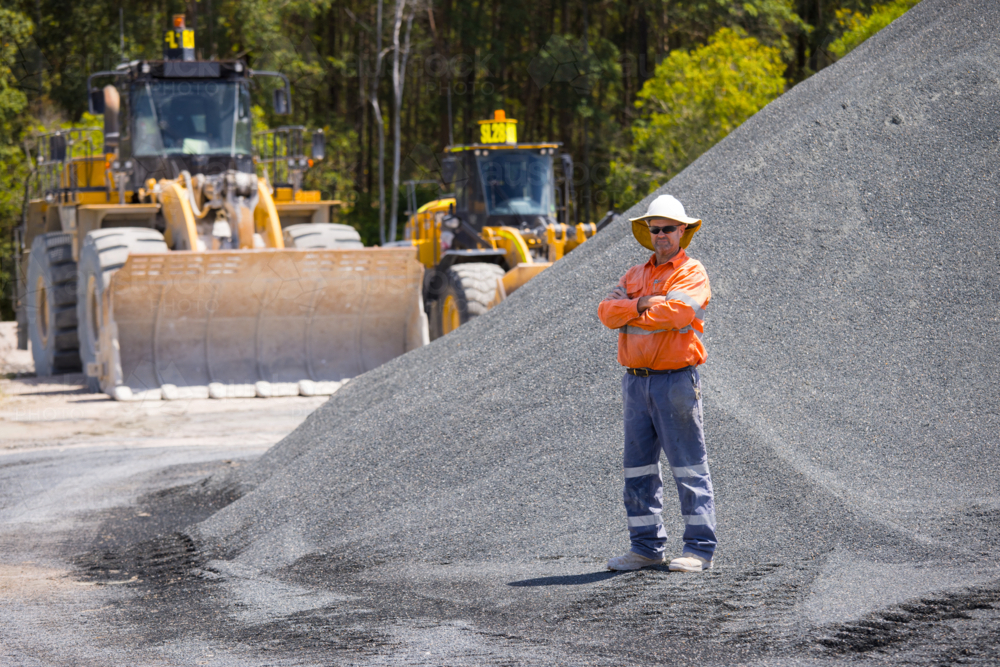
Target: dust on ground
{"points": [[78, 471], [59, 412]]}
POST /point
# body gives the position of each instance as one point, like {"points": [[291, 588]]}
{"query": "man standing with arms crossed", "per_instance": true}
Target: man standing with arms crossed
{"points": [[658, 308]]}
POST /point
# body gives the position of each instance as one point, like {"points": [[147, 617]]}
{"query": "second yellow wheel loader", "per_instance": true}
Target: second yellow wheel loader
{"points": [[505, 223], [161, 263]]}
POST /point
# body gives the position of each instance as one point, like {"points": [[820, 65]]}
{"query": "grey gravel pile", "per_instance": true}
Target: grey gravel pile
{"points": [[851, 233]]}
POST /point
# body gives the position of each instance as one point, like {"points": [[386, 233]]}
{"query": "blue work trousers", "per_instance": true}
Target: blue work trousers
{"points": [[664, 412]]}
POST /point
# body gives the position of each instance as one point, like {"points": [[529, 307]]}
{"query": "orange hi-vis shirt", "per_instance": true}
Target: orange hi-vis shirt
{"points": [[667, 335]]}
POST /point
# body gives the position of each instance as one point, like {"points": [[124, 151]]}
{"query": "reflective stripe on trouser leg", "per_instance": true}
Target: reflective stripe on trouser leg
{"points": [[677, 418], [643, 492]]}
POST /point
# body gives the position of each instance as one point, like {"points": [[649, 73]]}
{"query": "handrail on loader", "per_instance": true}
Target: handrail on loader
{"points": [[283, 149]]}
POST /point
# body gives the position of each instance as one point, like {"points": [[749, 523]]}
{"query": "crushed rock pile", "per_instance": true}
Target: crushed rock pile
{"points": [[850, 396]]}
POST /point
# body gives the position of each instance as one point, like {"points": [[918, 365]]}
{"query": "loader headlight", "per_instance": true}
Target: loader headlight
{"points": [[451, 222]]}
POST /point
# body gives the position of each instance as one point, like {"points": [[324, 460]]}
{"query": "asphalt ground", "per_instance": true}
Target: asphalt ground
{"points": [[456, 505]]}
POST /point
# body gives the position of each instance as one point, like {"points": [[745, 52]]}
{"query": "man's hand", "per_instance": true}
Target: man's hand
{"points": [[616, 294], [647, 302]]}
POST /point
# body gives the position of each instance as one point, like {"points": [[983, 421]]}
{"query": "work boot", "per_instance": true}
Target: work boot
{"points": [[633, 561], [688, 562]]}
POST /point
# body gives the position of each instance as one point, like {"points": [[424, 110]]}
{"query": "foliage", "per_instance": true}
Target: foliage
{"points": [[15, 30], [773, 22], [858, 27], [567, 70], [694, 99], [630, 182]]}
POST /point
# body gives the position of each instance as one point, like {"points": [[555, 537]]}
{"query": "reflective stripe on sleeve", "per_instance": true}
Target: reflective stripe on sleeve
{"points": [[690, 471], [648, 520], [698, 519], [688, 300], [641, 471], [627, 329]]}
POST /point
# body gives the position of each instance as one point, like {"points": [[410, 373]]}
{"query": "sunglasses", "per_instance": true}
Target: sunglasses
{"points": [[669, 229]]}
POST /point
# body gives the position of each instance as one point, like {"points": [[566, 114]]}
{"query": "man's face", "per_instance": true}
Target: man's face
{"points": [[666, 244]]}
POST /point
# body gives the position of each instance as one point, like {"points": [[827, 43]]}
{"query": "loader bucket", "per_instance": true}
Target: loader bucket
{"points": [[270, 322]]}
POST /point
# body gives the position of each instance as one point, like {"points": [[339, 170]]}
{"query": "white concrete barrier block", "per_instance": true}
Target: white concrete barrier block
{"points": [[122, 393], [310, 388], [284, 389], [220, 390], [174, 393]]}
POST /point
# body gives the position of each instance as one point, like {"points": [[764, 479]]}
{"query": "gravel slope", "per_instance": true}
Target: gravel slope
{"points": [[850, 403]]}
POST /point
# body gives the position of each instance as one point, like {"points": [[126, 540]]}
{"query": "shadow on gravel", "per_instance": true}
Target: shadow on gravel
{"points": [[915, 620], [174, 592], [165, 511], [567, 580], [61, 392], [146, 541], [163, 560]]}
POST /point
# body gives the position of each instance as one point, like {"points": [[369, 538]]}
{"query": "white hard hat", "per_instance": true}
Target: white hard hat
{"points": [[664, 206]]}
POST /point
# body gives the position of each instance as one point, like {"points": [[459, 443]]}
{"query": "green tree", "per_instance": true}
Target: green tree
{"points": [[694, 99], [467, 59], [857, 27], [15, 30]]}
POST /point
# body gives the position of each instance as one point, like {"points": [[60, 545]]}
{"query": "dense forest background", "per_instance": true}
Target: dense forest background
{"points": [[634, 89]]}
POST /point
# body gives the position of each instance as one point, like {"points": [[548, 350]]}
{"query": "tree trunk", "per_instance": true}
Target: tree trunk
{"points": [[361, 115], [399, 57], [380, 125]]}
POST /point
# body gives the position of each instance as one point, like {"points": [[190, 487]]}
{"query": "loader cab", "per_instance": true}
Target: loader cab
{"points": [[499, 182], [504, 186], [201, 124], [503, 189]]}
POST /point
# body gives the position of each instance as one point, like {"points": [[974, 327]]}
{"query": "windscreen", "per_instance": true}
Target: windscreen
{"points": [[517, 183], [192, 118]]}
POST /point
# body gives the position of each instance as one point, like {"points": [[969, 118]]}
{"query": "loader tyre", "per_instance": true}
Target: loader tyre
{"points": [[469, 291], [104, 251], [51, 305], [322, 235]]}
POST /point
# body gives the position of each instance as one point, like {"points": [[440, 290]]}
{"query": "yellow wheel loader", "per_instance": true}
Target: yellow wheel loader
{"points": [[505, 223], [161, 263]]}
